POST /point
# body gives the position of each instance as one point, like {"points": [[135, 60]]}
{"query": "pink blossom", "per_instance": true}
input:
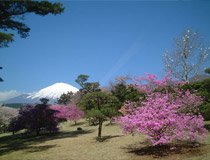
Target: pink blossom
{"points": [[165, 116], [68, 112]]}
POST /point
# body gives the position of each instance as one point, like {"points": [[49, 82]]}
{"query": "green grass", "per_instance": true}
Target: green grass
{"points": [[70, 144]]}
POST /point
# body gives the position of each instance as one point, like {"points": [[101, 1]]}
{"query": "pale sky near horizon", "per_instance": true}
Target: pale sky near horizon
{"points": [[100, 39]]}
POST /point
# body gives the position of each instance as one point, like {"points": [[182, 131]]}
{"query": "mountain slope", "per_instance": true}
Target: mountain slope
{"points": [[52, 93]]}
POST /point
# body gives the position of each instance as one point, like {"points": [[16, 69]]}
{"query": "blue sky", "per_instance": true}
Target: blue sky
{"points": [[101, 39]]}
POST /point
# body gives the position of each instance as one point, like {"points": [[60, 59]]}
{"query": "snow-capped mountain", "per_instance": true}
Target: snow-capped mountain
{"points": [[52, 93]]}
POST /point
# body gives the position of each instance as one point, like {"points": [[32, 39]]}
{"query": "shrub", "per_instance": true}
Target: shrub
{"points": [[166, 115]]}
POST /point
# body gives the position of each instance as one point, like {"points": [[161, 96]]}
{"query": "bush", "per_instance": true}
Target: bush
{"points": [[166, 116], [205, 111]]}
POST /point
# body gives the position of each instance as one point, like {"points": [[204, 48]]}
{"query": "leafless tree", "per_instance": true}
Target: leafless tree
{"points": [[119, 80], [123, 79], [105, 89], [189, 56]]}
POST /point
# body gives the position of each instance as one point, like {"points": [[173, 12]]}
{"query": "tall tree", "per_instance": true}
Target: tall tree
{"points": [[81, 79], [12, 13], [188, 57], [120, 91], [99, 105], [87, 87]]}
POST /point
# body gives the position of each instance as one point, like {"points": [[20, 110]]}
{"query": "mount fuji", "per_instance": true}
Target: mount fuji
{"points": [[52, 93]]}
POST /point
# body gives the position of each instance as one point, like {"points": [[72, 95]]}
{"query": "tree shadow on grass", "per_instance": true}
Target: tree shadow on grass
{"points": [[111, 124], [18, 142], [106, 138], [32, 149], [162, 151]]}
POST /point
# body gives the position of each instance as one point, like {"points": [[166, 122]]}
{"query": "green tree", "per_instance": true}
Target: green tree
{"points": [[87, 87], [202, 89], [81, 79], [12, 14], [126, 93], [44, 101], [120, 92], [99, 106], [132, 94], [65, 98]]}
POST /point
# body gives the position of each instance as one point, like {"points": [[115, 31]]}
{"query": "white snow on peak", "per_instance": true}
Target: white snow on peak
{"points": [[54, 91]]}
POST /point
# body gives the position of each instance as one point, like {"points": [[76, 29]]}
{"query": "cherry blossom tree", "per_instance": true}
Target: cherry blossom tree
{"points": [[68, 112], [167, 113]]}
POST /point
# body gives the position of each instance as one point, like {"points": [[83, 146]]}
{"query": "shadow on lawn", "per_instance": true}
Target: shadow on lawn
{"points": [[106, 138], [162, 151], [18, 142]]}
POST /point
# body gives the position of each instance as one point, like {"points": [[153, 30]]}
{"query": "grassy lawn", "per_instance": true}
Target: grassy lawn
{"points": [[70, 144]]}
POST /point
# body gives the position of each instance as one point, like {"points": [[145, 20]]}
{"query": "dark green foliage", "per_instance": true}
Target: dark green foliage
{"points": [[126, 93], [65, 98], [91, 87], [98, 106], [11, 12], [44, 100], [205, 111], [87, 87], [5, 39], [81, 79], [120, 92], [203, 90], [132, 94], [206, 85], [207, 71]]}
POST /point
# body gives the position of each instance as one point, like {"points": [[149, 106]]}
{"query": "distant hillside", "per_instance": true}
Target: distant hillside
{"points": [[198, 78], [15, 105], [20, 99]]}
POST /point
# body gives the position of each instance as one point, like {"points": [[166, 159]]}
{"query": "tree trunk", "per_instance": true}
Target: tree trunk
{"points": [[185, 63], [185, 71], [110, 122], [100, 127], [37, 132]]}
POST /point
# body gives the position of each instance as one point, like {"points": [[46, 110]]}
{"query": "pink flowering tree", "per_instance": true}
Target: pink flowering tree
{"points": [[166, 115], [68, 112]]}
